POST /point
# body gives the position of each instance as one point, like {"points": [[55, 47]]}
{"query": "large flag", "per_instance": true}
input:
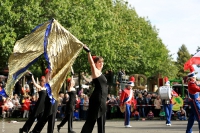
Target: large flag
{"points": [[195, 60], [59, 47]]}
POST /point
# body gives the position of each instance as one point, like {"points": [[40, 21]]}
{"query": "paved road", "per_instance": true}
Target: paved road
{"points": [[154, 126]]}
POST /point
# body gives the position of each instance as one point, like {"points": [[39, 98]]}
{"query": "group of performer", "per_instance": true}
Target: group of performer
{"points": [[47, 105]]}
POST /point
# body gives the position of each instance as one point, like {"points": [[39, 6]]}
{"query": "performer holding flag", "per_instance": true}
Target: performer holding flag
{"points": [[126, 100], [194, 102], [50, 109], [39, 106], [97, 106]]}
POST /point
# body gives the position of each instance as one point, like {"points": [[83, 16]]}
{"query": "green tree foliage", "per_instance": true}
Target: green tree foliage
{"points": [[183, 56], [111, 29]]}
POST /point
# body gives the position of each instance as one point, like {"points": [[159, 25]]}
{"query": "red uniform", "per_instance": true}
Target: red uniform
{"points": [[127, 97], [192, 87], [194, 104]]}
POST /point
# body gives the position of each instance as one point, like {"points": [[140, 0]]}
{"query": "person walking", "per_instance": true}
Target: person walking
{"points": [[50, 109], [194, 90], [126, 101], [168, 104], [69, 107], [39, 106], [97, 105]]}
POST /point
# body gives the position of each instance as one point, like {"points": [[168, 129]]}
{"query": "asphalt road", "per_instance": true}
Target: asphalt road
{"points": [[112, 126]]}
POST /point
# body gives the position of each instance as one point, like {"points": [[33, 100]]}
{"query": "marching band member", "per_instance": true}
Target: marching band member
{"points": [[70, 106], [194, 100], [168, 105], [126, 101]]}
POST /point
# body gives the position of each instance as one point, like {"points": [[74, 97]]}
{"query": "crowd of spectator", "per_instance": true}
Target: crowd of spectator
{"points": [[148, 105]]}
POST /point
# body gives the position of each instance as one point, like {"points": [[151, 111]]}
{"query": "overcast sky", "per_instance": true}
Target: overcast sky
{"points": [[178, 22]]}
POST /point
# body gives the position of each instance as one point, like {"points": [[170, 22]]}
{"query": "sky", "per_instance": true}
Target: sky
{"points": [[178, 22]]}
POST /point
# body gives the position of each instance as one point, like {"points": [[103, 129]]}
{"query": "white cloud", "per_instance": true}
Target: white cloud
{"points": [[178, 21]]}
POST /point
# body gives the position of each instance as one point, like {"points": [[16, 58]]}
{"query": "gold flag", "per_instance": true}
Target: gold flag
{"points": [[25, 51], [62, 50]]}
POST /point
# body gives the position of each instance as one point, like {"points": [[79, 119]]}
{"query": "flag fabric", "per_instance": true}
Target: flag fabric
{"points": [[195, 60], [59, 47]]}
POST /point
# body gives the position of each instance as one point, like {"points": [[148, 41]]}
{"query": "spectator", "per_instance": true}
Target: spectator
{"points": [[186, 105], [120, 74], [153, 97], [150, 115], [162, 114], [85, 107], [4, 108], [113, 104], [8, 106], [140, 102], [148, 101], [33, 102], [15, 99], [157, 104], [17, 88], [80, 92], [26, 107], [136, 115], [60, 113], [182, 114], [76, 115], [16, 110], [26, 89], [108, 113], [81, 106]]}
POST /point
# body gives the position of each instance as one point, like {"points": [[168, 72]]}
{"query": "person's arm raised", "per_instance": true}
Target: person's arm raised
{"points": [[91, 62], [34, 82]]}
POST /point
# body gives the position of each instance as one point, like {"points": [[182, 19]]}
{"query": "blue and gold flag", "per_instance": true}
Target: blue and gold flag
{"points": [[59, 47]]}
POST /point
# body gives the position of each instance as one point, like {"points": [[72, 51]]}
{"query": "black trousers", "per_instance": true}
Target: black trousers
{"points": [[89, 124], [41, 123], [68, 118], [29, 123]]}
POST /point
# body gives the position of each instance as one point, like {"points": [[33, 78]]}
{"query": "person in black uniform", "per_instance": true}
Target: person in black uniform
{"points": [[39, 106], [97, 105], [50, 109], [69, 107]]}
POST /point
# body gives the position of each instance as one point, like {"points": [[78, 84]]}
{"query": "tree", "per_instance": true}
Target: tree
{"points": [[183, 56], [111, 29]]}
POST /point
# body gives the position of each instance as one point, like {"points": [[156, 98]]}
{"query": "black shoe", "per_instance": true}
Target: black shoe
{"points": [[58, 128], [71, 132], [20, 130]]}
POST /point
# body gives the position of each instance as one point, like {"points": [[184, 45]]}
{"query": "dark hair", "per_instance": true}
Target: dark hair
{"points": [[97, 58]]}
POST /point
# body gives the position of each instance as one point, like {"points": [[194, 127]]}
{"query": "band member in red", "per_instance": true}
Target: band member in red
{"points": [[168, 104], [194, 102], [126, 100]]}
